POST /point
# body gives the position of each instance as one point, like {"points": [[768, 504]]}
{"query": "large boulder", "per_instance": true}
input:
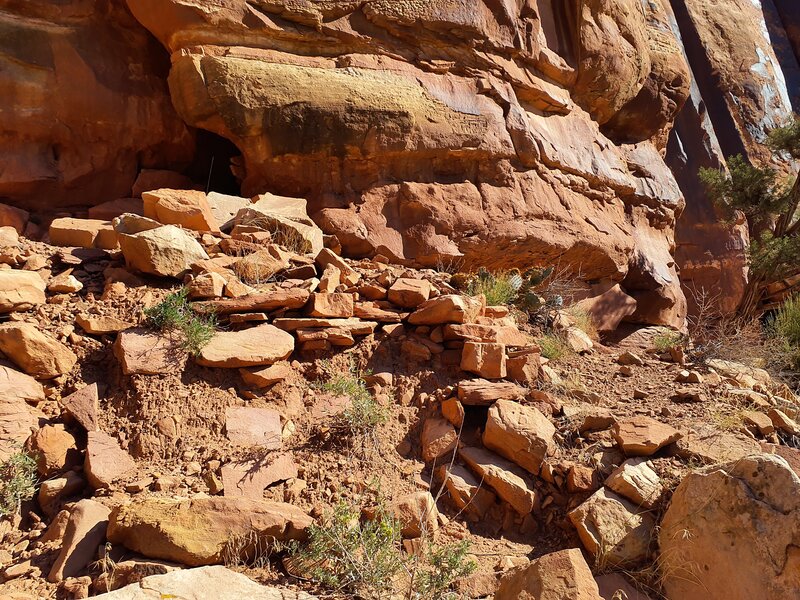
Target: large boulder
{"points": [[197, 532], [85, 531], [732, 532], [17, 417]]}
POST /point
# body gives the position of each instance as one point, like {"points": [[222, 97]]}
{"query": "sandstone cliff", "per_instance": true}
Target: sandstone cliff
{"points": [[500, 133]]}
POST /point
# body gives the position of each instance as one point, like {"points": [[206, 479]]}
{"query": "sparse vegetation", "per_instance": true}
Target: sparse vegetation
{"points": [[668, 339], [365, 414], [770, 204], [500, 289], [348, 554], [583, 320], [362, 557], [17, 482], [174, 314], [554, 346], [440, 568], [784, 330]]}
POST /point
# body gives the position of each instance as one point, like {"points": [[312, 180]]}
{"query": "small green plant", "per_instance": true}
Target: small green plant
{"points": [[17, 482], [364, 414], [583, 320], [667, 339], [500, 289], [362, 557], [175, 314], [441, 567], [784, 329], [348, 554], [554, 347]]}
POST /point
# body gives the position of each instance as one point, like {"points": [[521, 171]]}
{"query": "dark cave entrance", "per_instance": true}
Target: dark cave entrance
{"points": [[211, 166]]}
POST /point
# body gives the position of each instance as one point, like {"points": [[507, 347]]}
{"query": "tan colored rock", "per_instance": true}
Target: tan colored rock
{"points": [[417, 514], [758, 493], [86, 530], [55, 449], [82, 406], [614, 530], [741, 374], [643, 436], [562, 575], [330, 306], [105, 461], [353, 326], [578, 340], [197, 532], [260, 427], [485, 360], [637, 481], [83, 233], [263, 301], [330, 279], [204, 582], [167, 251], [758, 421], [453, 411], [53, 492], [524, 369], [520, 433], [609, 308], [506, 334], [710, 446], [348, 275], [187, 208], [511, 483], [17, 417], [64, 283], [260, 345], [409, 293], [101, 325], [439, 438], [479, 392], [783, 422], [36, 353], [141, 352], [266, 377], [466, 491], [20, 290], [287, 219], [446, 309], [249, 478], [207, 285]]}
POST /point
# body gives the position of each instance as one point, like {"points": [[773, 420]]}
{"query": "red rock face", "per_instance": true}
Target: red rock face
{"points": [[449, 133], [84, 104], [503, 134]]}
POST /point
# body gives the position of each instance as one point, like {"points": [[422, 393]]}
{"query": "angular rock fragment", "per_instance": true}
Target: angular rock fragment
{"points": [[510, 482], [36, 353], [257, 346], [520, 433], [20, 290], [643, 436], [105, 461]]}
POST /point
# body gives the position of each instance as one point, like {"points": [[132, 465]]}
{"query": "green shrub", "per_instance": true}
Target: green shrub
{"points": [[363, 558], [667, 339], [17, 482], [784, 328], [348, 554], [364, 415], [500, 289], [554, 347], [174, 313], [441, 567]]}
